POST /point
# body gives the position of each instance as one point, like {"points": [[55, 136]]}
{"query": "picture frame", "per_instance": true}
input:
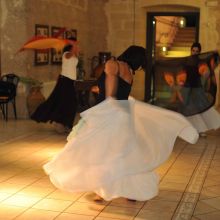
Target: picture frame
{"points": [[56, 56], [71, 33], [41, 56]]}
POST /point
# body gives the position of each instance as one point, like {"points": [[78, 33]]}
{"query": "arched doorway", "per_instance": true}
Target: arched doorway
{"points": [[191, 21]]}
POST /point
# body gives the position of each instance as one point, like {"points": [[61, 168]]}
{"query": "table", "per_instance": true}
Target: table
{"points": [[83, 92]]}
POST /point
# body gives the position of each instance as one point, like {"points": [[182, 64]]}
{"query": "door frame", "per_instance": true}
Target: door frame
{"points": [[148, 93]]}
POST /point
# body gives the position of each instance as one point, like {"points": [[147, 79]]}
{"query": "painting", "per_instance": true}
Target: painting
{"points": [[56, 56], [41, 56], [71, 33]]}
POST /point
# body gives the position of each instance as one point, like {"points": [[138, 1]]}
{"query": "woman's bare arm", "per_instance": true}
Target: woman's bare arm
{"points": [[69, 55], [111, 81]]}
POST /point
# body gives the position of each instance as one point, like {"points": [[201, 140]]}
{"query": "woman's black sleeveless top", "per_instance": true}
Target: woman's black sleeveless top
{"points": [[123, 91]]}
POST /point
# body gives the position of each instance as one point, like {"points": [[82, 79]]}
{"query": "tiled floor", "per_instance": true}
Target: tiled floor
{"points": [[189, 187]]}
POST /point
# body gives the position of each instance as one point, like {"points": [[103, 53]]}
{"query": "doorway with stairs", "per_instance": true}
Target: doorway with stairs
{"points": [[169, 35], [182, 42]]}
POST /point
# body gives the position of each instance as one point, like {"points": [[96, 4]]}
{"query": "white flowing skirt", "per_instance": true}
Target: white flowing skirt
{"points": [[205, 121], [115, 148]]}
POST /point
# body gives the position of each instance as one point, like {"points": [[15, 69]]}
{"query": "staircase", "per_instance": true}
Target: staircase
{"points": [[182, 43]]}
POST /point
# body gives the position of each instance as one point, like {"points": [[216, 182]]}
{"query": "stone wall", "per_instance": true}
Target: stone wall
{"points": [[102, 25], [13, 33], [18, 25], [18, 19], [127, 25]]}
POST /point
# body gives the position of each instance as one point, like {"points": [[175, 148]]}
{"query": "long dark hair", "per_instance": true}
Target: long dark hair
{"points": [[134, 56], [68, 47]]}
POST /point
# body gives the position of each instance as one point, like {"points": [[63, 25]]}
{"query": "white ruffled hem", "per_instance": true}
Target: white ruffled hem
{"points": [[206, 121], [116, 147]]}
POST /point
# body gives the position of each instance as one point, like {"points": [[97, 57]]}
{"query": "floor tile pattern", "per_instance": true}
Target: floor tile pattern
{"points": [[189, 185]]}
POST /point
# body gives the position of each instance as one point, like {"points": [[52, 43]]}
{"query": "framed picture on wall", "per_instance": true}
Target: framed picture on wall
{"points": [[56, 56], [71, 33], [41, 56]]}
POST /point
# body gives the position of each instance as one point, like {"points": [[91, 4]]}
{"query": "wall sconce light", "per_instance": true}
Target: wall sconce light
{"points": [[164, 49], [182, 22]]}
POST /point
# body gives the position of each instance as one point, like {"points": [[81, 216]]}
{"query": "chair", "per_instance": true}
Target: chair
{"points": [[8, 87], [83, 89]]}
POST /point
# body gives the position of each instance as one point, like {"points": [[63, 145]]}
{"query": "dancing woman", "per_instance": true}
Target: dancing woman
{"points": [[209, 119], [117, 145], [61, 105]]}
